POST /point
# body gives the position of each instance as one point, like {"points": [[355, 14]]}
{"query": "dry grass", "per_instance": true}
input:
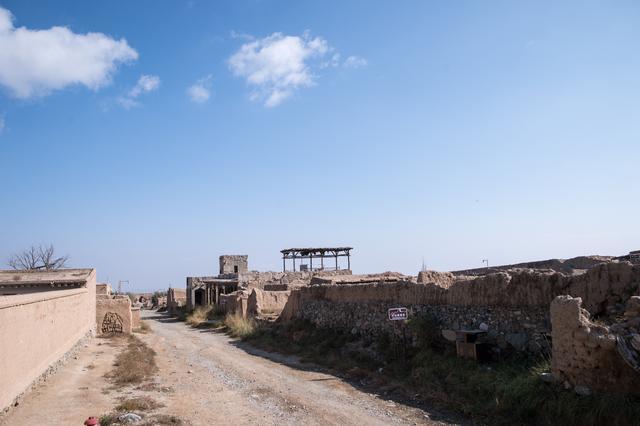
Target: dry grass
{"points": [[144, 327], [162, 420], [197, 316], [134, 364], [141, 403], [239, 326]]}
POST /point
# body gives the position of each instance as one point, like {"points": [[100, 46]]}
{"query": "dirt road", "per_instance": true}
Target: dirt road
{"points": [[205, 378], [219, 380]]}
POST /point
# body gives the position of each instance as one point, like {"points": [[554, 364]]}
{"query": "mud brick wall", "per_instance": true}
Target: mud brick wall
{"points": [[584, 353]]}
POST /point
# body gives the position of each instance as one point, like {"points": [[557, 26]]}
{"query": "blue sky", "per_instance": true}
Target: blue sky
{"points": [[449, 131]]}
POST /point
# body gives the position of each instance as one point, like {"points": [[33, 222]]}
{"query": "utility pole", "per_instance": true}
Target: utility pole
{"points": [[486, 261], [120, 285]]}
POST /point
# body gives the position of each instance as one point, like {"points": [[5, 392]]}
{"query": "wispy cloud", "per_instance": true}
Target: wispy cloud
{"points": [[2, 124], [37, 62], [200, 91], [354, 62], [145, 84], [238, 35], [278, 65]]}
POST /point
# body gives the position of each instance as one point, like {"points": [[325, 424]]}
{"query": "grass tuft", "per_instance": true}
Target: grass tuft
{"points": [[239, 326], [140, 403]]}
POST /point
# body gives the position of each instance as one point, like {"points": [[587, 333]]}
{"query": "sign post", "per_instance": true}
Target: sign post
{"points": [[399, 316]]}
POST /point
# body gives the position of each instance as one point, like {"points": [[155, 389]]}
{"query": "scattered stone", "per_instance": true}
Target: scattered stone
{"points": [[129, 418], [484, 327]]}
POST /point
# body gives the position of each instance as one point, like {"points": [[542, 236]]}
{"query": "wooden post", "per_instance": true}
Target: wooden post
{"points": [[284, 265], [310, 262], [294, 263], [336, 253], [322, 261], [348, 261]]}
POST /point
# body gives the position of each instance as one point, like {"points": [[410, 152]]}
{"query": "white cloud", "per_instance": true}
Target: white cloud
{"points": [[200, 92], [277, 65], [354, 62], [145, 84], [2, 125], [36, 62]]}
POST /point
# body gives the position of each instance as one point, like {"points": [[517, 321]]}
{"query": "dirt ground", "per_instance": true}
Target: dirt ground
{"points": [[205, 378]]}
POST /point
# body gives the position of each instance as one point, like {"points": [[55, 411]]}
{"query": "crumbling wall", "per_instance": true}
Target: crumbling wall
{"points": [[176, 298], [113, 315], [274, 281], [512, 307], [233, 264], [266, 303], [234, 303], [585, 354]]}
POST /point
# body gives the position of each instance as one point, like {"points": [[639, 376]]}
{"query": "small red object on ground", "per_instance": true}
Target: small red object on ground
{"points": [[92, 421]]}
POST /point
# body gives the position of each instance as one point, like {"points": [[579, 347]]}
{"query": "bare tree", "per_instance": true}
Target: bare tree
{"points": [[35, 258]]}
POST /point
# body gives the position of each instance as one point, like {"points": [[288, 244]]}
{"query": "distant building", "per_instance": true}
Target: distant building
{"points": [[204, 291], [634, 257]]}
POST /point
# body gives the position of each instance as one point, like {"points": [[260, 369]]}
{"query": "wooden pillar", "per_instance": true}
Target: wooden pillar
{"points": [[294, 263], [311, 263], [336, 253], [348, 261], [322, 261], [284, 265]]}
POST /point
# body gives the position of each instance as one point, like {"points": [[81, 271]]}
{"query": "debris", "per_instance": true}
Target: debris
{"points": [[129, 418], [547, 377]]}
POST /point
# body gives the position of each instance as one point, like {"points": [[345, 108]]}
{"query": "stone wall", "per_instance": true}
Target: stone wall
{"points": [[512, 307], [585, 355], [37, 330], [233, 264], [113, 315]]}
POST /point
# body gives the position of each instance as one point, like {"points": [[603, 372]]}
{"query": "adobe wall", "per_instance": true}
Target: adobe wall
{"points": [[37, 331], [113, 315], [135, 318], [588, 354], [283, 280], [234, 303], [265, 303], [176, 298]]}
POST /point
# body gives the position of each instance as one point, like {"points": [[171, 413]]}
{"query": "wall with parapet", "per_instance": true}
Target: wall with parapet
{"points": [[37, 330]]}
